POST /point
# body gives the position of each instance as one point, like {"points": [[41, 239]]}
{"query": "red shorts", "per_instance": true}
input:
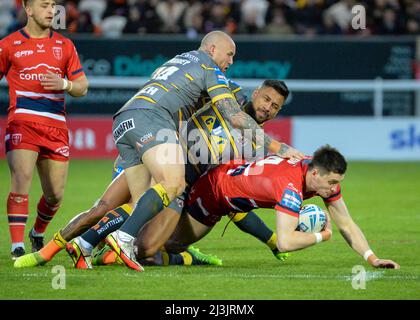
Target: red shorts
{"points": [[49, 142], [203, 205]]}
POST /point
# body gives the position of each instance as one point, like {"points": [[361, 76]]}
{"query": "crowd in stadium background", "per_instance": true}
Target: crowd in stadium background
{"points": [[194, 17]]}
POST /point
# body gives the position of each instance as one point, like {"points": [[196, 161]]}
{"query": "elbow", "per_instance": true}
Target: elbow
{"points": [[283, 245], [86, 89]]}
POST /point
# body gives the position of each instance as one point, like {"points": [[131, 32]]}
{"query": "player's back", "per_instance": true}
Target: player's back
{"points": [[180, 83], [258, 184], [209, 139]]}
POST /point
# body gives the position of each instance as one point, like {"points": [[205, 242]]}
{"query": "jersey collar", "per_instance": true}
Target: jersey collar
{"points": [[23, 33]]}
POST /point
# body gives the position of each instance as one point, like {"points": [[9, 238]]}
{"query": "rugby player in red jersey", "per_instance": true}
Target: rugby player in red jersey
{"points": [[36, 62], [271, 182]]}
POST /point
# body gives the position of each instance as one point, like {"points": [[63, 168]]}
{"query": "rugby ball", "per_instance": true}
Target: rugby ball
{"points": [[311, 219]]}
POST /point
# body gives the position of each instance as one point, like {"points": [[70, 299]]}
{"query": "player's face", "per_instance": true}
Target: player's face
{"points": [[42, 12], [267, 102], [223, 53], [326, 184]]}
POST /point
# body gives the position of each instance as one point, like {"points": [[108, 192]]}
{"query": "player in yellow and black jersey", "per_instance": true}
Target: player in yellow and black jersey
{"points": [[265, 103]]}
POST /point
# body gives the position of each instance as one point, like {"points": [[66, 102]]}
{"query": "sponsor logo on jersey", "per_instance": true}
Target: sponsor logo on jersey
{"points": [[16, 138], [17, 42], [26, 74], [291, 200], [58, 41], [209, 121], [40, 48], [179, 202], [221, 79], [122, 128], [190, 56], [58, 53], [64, 151], [148, 137], [292, 187], [24, 53], [179, 61]]}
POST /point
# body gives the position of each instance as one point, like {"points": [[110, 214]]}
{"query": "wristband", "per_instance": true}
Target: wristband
{"points": [[318, 237], [65, 84], [367, 254]]}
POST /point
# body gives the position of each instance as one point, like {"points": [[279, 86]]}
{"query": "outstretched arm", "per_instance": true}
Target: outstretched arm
{"points": [[231, 111], [290, 240], [354, 236]]}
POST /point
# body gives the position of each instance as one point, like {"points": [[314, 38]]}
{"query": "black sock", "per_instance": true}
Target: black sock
{"points": [[252, 224], [183, 258], [151, 203], [112, 221]]}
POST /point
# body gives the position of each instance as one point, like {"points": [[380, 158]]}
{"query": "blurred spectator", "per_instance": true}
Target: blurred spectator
{"points": [[85, 24], [216, 16], [170, 13], [339, 14], [195, 17], [413, 18], [142, 18], [72, 16], [96, 8], [390, 23], [308, 16], [116, 8], [278, 24], [286, 6], [253, 13], [413, 27], [20, 20], [7, 7]]}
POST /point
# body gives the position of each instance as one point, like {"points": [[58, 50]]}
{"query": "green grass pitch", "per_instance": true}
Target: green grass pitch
{"points": [[383, 198]]}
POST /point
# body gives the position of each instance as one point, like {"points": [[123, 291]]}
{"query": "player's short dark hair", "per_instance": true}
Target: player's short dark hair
{"points": [[26, 2], [328, 159], [277, 85]]}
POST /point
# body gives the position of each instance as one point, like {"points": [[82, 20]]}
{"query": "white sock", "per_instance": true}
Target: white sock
{"points": [[17, 245], [86, 246], [125, 237], [36, 234]]}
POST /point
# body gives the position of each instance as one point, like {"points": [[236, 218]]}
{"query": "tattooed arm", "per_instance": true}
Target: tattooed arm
{"points": [[231, 111], [354, 236]]}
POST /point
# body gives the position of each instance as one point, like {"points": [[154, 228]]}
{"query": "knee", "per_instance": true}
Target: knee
{"points": [[20, 178], [97, 212], [146, 247], [54, 199], [174, 188]]}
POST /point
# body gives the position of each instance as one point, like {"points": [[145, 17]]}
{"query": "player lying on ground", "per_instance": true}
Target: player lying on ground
{"points": [[266, 102], [272, 182]]}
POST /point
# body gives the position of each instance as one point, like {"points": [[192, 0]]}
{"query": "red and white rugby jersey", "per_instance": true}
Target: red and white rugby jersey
{"points": [[24, 61], [271, 182]]}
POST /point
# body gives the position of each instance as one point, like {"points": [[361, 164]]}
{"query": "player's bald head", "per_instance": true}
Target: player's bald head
{"points": [[220, 47], [215, 38]]}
